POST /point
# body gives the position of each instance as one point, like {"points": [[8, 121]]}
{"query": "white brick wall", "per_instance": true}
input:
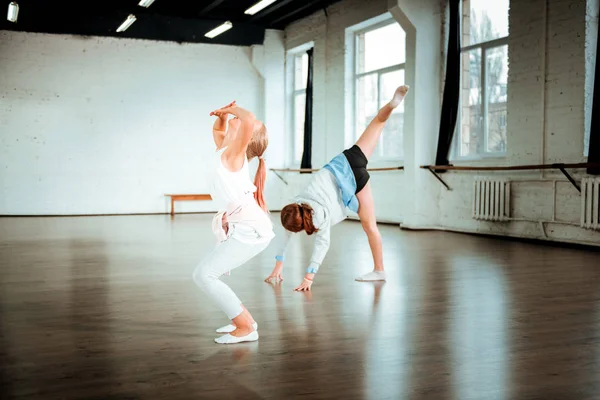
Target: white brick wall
{"points": [[565, 81], [269, 60], [101, 125]]}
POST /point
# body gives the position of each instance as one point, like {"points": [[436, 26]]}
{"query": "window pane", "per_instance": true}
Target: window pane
{"points": [[301, 71], [484, 20], [471, 113], [496, 93], [299, 107], [391, 142], [380, 48], [366, 101]]}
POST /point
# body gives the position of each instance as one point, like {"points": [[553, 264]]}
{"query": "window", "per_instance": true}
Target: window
{"points": [[481, 127], [298, 101], [379, 70]]}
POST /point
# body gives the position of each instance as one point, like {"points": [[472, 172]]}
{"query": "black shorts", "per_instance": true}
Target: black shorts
{"points": [[358, 162]]}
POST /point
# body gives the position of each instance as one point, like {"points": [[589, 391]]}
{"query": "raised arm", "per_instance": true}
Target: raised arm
{"points": [[276, 275], [235, 154], [220, 125]]}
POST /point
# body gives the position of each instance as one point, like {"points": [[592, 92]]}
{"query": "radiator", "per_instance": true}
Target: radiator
{"points": [[491, 200], [590, 203]]}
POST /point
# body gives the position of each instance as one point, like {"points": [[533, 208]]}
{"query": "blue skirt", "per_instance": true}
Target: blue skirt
{"points": [[342, 170]]}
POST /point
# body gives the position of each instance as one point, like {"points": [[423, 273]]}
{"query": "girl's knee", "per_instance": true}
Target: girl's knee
{"points": [[202, 275], [370, 228]]}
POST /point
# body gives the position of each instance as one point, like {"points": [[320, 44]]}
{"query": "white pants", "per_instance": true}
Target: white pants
{"points": [[227, 256]]}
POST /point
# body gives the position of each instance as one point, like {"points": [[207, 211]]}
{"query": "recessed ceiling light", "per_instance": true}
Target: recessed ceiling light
{"points": [[146, 3], [219, 29], [127, 23], [13, 12], [259, 6]]}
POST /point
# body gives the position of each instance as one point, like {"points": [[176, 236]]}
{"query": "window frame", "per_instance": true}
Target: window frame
{"points": [[294, 99], [291, 56], [356, 76], [484, 47]]}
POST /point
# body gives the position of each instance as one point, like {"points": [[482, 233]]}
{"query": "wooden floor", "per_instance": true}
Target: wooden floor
{"points": [[105, 308]]}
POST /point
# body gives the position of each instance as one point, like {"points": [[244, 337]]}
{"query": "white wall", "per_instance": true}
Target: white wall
{"points": [[102, 125], [269, 60], [422, 21], [546, 115]]}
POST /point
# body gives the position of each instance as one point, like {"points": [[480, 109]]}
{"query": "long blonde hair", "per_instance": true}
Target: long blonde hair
{"points": [[256, 148]]}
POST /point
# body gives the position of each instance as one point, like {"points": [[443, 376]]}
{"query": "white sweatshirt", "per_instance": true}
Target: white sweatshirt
{"points": [[325, 197]]}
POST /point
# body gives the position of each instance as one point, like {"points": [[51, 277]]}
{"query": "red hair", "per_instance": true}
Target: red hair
{"points": [[298, 217], [256, 148], [259, 182]]}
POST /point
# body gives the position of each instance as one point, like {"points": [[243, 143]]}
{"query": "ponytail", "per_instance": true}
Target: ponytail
{"points": [[259, 182], [256, 148], [307, 221]]}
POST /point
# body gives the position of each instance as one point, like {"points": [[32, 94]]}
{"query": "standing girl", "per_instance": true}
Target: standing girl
{"points": [[242, 225]]}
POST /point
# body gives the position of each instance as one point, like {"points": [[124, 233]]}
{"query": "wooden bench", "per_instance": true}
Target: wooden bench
{"points": [[186, 197]]}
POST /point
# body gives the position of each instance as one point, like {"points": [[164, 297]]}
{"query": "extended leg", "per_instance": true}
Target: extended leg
{"points": [[370, 137]]}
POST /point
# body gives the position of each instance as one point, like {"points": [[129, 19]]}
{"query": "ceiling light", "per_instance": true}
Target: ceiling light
{"points": [[219, 29], [259, 6], [13, 12], [146, 3], [127, 23]]}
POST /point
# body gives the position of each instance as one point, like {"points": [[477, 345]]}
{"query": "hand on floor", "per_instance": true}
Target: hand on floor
{"points": [[276, 276], [305, 286]]}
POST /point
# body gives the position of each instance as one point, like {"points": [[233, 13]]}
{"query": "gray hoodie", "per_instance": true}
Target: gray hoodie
{"points": [[325, 197]]}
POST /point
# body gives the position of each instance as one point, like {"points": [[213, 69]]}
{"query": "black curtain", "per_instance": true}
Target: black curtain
{"points": [[307, 153], [450, 101], [594, 149]]}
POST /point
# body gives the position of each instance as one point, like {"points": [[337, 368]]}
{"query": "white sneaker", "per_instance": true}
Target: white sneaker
{"points": [[229, 339], [372, 276], [230, 328]]}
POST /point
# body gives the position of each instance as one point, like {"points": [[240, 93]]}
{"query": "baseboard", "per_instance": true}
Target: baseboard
{"points": [[422, 228], [95, 215], [379, 221], [500, 236], [106, 215]]}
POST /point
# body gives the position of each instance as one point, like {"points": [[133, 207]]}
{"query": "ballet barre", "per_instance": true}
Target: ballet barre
{"points": [[186, 197], [434, 169], [276, 171]]}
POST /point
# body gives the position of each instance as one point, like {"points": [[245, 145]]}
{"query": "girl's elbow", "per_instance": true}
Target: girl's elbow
{"points": [[250, 118], [248, 123]]}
